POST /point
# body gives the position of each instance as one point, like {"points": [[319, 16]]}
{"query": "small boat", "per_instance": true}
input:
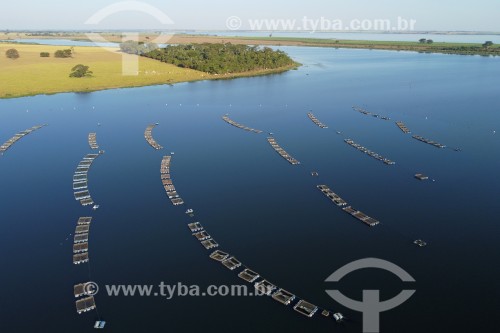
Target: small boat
{"points": [[338, 317], [96, 207], [189, 211], [314, 174], [99, 324], [172, 153], [420, 243]]}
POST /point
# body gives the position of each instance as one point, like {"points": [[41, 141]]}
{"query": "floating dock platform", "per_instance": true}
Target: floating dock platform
{"points": [[265, 287], [249, 275], [84, 220], [305, 308], [202, 235], [283, 296], [403, 127], [367, 113], [80, 180], [316, 121], [80, 248], [337, 200], [85, 305], [6, 146], [240, 126], [80, 258], [209, 244], [93, 141], [81, 290], [148, 135], [81, 238], [219, 256], [369, 152], [231, 263], [195, 227], [81, 229], [429, 142], [281, 151], [332, 196]]}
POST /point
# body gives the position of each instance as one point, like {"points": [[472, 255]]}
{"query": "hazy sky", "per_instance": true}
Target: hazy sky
{"points": [[479, 15]]}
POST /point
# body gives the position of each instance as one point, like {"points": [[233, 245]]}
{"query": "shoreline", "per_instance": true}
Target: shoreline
{"points": [[436, 47], [215, 78]]}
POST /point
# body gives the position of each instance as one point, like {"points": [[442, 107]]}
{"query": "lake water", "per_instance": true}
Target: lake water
{"points": [[258, 207]]}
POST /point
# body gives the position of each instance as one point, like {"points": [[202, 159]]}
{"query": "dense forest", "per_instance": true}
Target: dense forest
{"points": [[215, 58]]}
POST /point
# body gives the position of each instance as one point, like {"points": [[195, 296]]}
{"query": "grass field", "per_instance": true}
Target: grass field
{"points": [[32, 75]]}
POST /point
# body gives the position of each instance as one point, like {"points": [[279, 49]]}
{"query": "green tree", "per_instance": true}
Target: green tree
{"points": [[430, 41], [63, 53], [487, 44], [221, 58], [44, 54], [80, 71], [422, 41], [12, 54]]}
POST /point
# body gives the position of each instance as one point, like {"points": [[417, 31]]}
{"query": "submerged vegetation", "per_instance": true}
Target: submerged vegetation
{"points": [[214, 58]]}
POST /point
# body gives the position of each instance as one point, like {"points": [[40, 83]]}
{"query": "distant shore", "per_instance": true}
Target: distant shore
{"points": [[416, 46]]}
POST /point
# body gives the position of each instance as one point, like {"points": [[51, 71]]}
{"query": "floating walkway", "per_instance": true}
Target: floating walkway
{"points": [[231, 263], [281, 151], [367, 113], [80, 180], [81, 256], [167, 182], [369, 152], [93, 141], [243, 127], [337, 200], [316, 121], [148, 135], [17, 137], [80, 242], [429, 142], [262, 286], [403, 127]]}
